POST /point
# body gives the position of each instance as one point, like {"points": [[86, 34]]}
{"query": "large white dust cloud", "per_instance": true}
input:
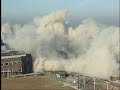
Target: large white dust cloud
{"points": [[91, 48]]}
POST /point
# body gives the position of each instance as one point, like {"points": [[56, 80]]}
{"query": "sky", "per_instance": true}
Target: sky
{"points": [[17, 11]]}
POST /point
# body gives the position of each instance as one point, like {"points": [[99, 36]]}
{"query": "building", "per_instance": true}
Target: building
{"points": [[15, 62]]}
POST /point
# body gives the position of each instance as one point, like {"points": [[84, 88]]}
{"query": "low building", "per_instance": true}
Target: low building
{"points": [[15, 62]]}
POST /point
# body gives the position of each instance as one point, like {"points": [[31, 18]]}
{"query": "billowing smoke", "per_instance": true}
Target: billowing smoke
{"points": [[91, 48]]}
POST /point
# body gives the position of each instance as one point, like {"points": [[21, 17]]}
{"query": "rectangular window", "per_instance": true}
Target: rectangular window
{"points": [[11, 63], [6, 63], [16, 62], [2, 64], [11, 69], [8, 69], [20, 69], [19, 61], [2, 72]]}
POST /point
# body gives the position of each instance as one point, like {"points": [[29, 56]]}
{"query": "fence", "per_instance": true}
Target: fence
{"points": [[93, 83], [24, 75], [83, 82]]}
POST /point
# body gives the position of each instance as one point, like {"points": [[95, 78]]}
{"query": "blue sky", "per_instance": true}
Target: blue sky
{"points": [[26, 9]]}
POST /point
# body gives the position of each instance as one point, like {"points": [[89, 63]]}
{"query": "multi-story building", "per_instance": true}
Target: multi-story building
{"points": [[15, 62]]}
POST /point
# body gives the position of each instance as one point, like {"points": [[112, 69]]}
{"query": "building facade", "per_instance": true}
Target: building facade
{"points": [[16, 64]]}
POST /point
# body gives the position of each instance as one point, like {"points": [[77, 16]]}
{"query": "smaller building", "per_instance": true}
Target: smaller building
{"points": [[11, 64], [16, 64]]}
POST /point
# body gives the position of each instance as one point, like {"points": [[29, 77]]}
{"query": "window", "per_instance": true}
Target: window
{"points": [[2, 64], [11, 63], [20, 69], [11, 69], [6, 63], [2, 72], [8, 69], [16, 62], [19, 61]]}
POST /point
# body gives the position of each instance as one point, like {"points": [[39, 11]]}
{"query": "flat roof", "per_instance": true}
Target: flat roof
{"points": [[14, 56], [6, 51]]}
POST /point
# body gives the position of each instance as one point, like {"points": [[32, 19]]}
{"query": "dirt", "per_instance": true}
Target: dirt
{"points": [[33, 83]]}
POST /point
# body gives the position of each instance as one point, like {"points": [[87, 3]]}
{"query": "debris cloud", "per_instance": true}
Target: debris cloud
{"points": [[91, 48]]}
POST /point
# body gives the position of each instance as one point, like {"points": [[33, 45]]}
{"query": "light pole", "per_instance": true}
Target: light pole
{"points": [[94, 82], [119, 68], [78, 83]]}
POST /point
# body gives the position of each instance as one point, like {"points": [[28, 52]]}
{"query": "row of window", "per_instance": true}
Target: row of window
{"points": [[9, 63], [10, 69]]}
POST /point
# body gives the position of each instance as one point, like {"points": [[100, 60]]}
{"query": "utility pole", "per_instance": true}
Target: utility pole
{"points": [[119, 65], [119, 57], [119, 53], [94, 82], [78, 83], [84, 80]]}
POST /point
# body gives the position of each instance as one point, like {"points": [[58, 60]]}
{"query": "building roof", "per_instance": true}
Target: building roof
{"points": [[14, 56]]}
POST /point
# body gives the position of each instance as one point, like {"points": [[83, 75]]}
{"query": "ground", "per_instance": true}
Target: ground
{"points": [[33, 83]]}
